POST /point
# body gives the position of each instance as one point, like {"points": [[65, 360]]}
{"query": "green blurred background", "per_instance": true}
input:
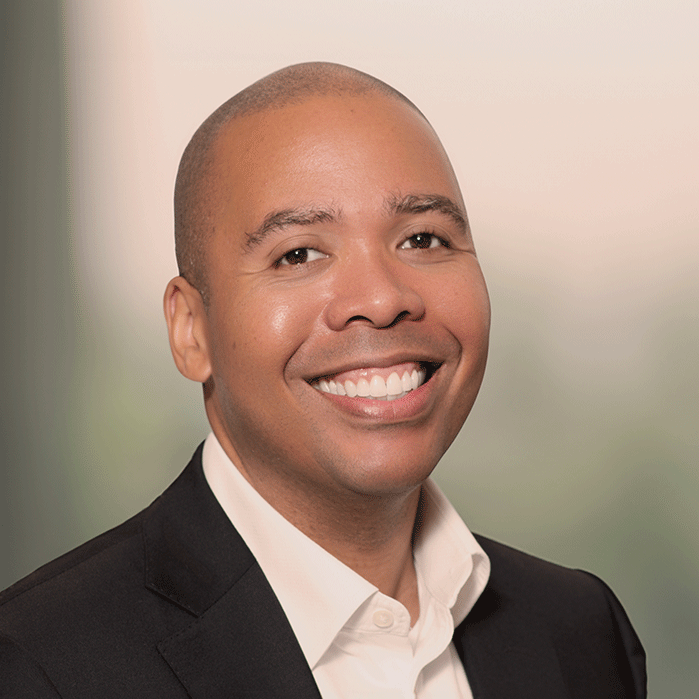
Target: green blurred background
{"points": [[574, 136]]}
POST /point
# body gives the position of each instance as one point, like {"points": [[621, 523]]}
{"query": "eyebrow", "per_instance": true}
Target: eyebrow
{"points": [[424, 203], [279, 220]]}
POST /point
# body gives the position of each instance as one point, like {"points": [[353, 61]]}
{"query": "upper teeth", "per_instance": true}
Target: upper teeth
{"points": [[376, 386]]}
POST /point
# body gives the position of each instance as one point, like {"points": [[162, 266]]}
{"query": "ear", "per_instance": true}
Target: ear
{"points": [[186, 327]]}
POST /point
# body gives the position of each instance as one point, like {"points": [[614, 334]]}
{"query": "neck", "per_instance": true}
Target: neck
{"points": [[376, 542], [371, 533]]}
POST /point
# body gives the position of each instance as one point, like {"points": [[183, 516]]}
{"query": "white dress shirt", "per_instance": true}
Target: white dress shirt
{"points": [[357, 641]]}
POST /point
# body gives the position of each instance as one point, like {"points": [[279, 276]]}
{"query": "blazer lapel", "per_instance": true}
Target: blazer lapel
{"points": [[242, 646], [234, 639]]}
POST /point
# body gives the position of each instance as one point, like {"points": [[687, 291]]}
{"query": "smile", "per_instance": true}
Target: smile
{"points": [[375, 384]]}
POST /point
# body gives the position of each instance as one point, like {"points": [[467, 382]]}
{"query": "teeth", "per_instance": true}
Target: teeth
{"points": [[377, 387], [389, 389], [394, 386]]}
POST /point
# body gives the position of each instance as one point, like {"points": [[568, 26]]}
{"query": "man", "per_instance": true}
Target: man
{"points": [[331, 304]]}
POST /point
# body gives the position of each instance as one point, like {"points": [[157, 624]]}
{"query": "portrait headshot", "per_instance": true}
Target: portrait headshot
{"points": [[303, 481]]}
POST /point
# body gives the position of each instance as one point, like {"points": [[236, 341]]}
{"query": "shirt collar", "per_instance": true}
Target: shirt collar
{"points": [[319, 593], [449, 560]]}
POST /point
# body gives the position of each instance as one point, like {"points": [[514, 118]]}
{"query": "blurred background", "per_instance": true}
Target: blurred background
{"points": [[573, 130]]}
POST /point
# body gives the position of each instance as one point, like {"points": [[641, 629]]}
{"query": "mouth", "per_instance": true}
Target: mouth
{"points": [[377, 383]]}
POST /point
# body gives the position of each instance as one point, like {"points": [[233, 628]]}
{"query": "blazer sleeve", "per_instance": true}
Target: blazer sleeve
{"points": [[629, 642], [21, 677]]}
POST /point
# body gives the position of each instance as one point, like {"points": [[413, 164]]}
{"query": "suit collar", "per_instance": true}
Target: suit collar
{"points": [[193, 555], [235, 639], [505, 648]]}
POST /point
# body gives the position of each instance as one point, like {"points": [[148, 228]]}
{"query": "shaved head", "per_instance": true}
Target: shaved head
{"points": [[197, 188]]}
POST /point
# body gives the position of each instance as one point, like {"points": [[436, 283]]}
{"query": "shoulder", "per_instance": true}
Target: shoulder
{"points": [[85, 617], [98, 579], [520, 573], [103, 555], [64, 610], [547, 589], [108, 564], [540, 605]]}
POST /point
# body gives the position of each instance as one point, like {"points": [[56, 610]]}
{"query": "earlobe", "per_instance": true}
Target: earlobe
{"points": [[186, 325]]}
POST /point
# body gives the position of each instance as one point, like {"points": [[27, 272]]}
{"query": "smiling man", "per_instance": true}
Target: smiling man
{"points": [[331, 304]]}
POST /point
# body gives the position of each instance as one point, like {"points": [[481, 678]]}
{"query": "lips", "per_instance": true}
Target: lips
{"points": [[376, 383]]}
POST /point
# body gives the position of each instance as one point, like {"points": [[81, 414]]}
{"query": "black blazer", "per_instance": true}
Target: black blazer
{"points": [[173, 604]]}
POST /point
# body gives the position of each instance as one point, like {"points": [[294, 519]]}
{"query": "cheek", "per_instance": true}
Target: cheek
{"points": [[281, 319], [272, 324], [464, 305]]}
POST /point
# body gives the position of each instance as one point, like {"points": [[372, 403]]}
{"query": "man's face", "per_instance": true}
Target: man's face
{"points": [[340, 257]]}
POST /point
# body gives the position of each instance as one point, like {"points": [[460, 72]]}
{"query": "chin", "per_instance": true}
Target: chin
{"points": [[377, 474]]}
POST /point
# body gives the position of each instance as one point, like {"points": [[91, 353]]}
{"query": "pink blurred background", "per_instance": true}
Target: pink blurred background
{"points": [[573, 132]]}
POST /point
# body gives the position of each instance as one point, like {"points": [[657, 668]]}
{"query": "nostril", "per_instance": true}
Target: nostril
{"points": [[353, 318], [405, 315]]}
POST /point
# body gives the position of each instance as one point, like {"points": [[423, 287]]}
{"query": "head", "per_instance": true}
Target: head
{"points": [[198, 189], [329, 299]]}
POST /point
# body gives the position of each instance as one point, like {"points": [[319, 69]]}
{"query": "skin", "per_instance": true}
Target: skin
{"points": [[339, 279]]}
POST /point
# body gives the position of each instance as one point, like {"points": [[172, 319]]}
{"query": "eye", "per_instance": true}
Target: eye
{"points": [[300, 256], [423, 241]]}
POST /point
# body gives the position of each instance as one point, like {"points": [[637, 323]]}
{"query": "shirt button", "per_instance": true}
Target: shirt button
{"points": [[383, 618]]}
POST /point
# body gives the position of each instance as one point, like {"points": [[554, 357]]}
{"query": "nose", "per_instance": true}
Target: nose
{"points": [[375, 290]]}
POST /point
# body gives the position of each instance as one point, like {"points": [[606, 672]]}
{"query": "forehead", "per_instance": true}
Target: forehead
{"points": [[351, 152]]}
